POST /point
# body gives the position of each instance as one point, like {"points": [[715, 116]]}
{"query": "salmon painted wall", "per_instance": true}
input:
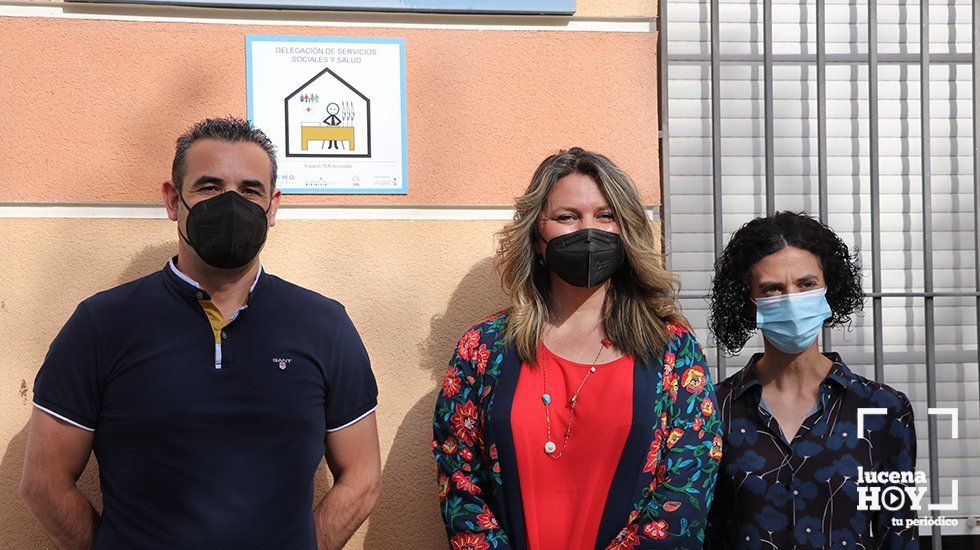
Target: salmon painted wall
{"points": [[89, 110]]}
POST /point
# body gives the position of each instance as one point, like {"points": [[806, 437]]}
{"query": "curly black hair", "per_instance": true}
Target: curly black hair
{"points": [[732, 316]]}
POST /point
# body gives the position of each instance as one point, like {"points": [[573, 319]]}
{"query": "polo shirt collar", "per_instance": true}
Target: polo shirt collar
{"points": [[748, 378], [191, 288]]}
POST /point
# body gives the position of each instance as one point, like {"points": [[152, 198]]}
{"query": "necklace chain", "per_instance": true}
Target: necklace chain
{"points": [[549, 447]]}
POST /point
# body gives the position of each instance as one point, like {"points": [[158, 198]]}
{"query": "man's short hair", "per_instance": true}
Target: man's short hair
{"points": [[230, 129]]}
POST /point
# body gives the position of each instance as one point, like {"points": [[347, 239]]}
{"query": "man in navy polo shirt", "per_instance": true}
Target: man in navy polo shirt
{"points": [[209, 390]]}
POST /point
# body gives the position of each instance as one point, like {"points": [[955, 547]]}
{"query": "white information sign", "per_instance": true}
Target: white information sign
{"points": [[334, 108]]}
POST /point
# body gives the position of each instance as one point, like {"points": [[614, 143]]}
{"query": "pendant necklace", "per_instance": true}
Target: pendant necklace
{"points": [[550, 447]]}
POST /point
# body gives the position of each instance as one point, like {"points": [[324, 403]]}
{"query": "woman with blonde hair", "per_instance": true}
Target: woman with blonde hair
{"points": [[582, 417]]}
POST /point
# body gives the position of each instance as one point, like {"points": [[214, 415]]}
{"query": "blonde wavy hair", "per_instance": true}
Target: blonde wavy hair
{"points": [[641, 299]]}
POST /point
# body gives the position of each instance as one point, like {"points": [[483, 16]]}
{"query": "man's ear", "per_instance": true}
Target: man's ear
{"points": [[274, 207], [171, 199]]}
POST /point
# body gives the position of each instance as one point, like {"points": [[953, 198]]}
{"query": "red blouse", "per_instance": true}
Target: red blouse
{"points": [[564, 499]]}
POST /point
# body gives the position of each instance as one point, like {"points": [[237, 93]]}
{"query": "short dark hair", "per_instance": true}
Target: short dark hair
{"points": [[230, 129], [732, 315]]}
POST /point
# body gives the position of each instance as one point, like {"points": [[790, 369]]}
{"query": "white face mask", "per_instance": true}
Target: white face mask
{"points": [[791, 322]]}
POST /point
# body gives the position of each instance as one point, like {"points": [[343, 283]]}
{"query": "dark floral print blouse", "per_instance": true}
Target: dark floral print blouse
{"points": [[775, 493]]}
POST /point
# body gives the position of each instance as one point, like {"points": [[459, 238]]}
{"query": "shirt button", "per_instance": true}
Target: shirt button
{"points": [[795, 492], [742, 430], [224, 335], [808, 529], [845, 435], [200, 295]]}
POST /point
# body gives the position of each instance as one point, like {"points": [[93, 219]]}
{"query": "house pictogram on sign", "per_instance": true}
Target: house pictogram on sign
{"points": [[328, 117]]}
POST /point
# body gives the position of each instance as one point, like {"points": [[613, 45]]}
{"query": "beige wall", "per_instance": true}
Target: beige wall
{"points": [[90, 110]]}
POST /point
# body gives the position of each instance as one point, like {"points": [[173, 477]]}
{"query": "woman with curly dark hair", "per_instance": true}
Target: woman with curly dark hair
{"points": [[797, 458]]}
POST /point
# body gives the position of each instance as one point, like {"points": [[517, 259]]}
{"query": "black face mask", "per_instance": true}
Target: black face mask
{"points": [[226, 231], [586, 257]]}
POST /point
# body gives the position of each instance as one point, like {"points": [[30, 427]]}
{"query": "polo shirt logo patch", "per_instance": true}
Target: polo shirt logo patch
{"points": [[282, 361]]}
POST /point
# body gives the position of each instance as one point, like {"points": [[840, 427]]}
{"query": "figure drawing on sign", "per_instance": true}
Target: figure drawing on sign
{"points": [[332, 120]]}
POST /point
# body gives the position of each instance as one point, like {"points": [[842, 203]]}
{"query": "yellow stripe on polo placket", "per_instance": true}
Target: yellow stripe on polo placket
{"points": [[218, 323]]}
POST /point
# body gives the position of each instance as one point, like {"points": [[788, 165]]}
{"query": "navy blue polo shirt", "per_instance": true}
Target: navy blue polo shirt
{"points": [[203, 444]]}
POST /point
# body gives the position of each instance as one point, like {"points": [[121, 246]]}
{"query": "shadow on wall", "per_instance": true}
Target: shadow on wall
{"points": [[407, 514], [18, 528], [149, 260]]}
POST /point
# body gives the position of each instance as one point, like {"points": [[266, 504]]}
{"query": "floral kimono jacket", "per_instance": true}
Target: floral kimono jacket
{"points": [[662, 487]]}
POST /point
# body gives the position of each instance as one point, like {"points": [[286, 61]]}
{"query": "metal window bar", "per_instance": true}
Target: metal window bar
{"points": [[876, 304], [976, 169], [830, 59], [924, 59], [663, 78], [825, 337], [770, 112], [926, 155], [717, 211]]}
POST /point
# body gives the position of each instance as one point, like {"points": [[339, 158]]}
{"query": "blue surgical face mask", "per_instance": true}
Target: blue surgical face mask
{"points": [[791, 322]]}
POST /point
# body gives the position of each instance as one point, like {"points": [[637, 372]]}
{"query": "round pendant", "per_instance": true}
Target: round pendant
{"points": [[550, 447], [546, 398]]}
